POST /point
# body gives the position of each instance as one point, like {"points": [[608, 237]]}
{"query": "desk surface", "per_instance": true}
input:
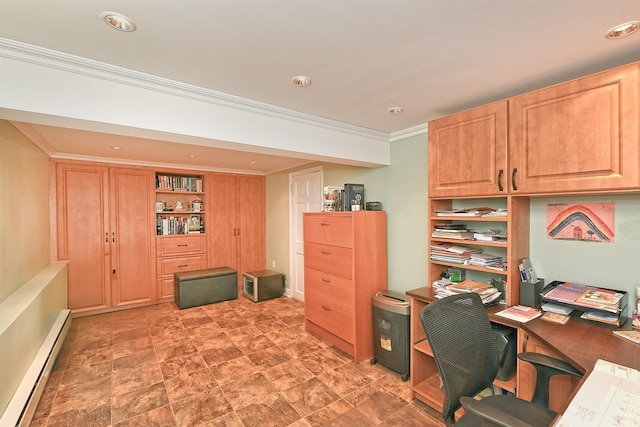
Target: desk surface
{"points": [[580, 342]]}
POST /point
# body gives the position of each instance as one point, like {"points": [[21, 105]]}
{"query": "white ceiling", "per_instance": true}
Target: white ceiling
{"points": [[430, 57]]}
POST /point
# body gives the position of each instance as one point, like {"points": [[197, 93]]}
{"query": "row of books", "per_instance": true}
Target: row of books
{"points": [[463, 232], [171, 225], [458, 254], [474, 211], [488, 293], [179, 183]]}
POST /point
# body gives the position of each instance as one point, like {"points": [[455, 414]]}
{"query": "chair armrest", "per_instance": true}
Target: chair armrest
{"points": [[491, 414], [560, 366]]}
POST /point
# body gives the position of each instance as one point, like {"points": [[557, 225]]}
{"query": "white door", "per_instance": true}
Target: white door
{"points": [[306, 196]]}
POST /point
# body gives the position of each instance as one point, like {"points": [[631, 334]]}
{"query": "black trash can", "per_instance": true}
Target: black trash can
{"points": [[391, 327]]}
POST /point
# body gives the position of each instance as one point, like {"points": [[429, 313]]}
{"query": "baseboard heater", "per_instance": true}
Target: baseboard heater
{"points": [[22, 406]]}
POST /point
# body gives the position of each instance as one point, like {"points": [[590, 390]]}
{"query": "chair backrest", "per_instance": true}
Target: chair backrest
{"points": [[463, 345]]}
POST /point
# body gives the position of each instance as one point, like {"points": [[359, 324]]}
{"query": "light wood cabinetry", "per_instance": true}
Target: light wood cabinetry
{"points": [[236, 231], [560, 386], [176, 254], [468, 153], [578, 136], [516, 224], [103, 224], [345, 264]]}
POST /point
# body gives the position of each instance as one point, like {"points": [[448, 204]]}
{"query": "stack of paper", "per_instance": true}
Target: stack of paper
{"points": [[487, 293], [520, 313]]}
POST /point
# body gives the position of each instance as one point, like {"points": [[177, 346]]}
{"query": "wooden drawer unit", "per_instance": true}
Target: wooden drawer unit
{"points": [[335, 288], [330, 316], [345, 260], [182, 245], [329, 230], [332, 259], [168, 266], [177, 254]]}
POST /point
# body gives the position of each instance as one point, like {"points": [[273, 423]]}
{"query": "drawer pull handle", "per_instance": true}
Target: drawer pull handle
{"points": [[183, 245], [326, 252], [183, 265], [325, 223], [326, 308], [326, 280]]}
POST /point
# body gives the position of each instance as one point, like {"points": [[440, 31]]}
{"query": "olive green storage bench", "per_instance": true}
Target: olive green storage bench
{"points": [[199, 287]]}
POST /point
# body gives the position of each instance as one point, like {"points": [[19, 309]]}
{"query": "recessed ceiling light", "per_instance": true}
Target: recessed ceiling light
{"points": [[623, 30], [118, 21], [301, 81], [396, 110], [115, 147]]}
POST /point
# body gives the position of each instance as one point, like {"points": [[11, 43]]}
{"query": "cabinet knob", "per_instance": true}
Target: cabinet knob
{"points": [[106, 237], [326, 308], [326, 280], [113, 237], [513, 178], [183, 265], [183, 245], [326, 252], [500, 173], [325, 223]]}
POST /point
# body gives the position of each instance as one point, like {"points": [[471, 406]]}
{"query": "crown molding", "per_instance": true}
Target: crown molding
{"points": [[74, 64]]}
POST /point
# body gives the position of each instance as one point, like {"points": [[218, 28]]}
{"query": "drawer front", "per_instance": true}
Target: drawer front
{"points": [[329, 230], [332, 317], [181, 245], [335, 289], [168, 266], [333, 259]]}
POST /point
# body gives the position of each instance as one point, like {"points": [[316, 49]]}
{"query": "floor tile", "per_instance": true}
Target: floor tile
{"points": [[235, 364]]}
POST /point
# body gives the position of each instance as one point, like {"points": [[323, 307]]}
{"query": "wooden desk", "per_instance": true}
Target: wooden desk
{"points": [[579, 342]]}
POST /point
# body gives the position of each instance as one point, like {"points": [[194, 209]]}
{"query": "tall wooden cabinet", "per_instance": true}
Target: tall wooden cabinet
{"points": [[236, 222], [345, 264], [103, 227]]}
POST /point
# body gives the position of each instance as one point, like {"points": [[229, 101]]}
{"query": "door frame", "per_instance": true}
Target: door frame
{"points": [[292, 255]]}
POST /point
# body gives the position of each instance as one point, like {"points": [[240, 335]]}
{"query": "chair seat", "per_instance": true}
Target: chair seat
{"points": [[524, 411]]}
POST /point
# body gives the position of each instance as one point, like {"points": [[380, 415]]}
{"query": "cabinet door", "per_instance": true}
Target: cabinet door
{"points": [[132, 231], [221, 227], [468, 152], [250, 211], [560, 386], [577, 136], [83, 233]]}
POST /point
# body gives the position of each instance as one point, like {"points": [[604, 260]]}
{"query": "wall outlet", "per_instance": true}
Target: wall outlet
{"points": [[273, 264]]}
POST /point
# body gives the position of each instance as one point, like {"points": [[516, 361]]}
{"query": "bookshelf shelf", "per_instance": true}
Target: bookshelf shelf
{"points": [[179, 204]]}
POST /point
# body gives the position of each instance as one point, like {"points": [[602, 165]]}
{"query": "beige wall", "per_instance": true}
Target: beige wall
{"points": [[402, 190], [24, 200]]}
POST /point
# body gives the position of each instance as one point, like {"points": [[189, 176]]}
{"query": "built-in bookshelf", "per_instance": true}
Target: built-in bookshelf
{"points": [[179, 204]]}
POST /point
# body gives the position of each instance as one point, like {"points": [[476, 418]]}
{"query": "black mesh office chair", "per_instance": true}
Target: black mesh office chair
{"points": [[465, 350]]}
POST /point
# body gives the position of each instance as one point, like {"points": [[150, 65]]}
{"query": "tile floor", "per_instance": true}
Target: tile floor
{"points": [[234, 363]]}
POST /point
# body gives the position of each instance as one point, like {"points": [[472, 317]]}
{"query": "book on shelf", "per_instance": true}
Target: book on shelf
{"points": [[520, 313], [461, 235], [475, 211], [629, 335], [451, 248], [488, 294]]}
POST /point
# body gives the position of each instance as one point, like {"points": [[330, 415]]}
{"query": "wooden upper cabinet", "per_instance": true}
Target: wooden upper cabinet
{"points": [[468, 153], [579, 136]]}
